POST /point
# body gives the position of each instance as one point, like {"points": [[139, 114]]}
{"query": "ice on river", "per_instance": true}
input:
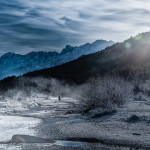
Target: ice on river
{"points": [[11, 125]]}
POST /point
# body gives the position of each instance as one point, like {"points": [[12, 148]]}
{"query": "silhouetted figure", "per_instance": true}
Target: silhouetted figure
{"points": [[59, 98]]}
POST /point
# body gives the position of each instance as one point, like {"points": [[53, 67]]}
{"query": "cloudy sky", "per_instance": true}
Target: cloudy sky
{"points": [[48, 25]]}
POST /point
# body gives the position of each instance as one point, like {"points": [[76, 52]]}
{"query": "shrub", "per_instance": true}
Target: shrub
{"points": [[106, 93], [133, 118]]}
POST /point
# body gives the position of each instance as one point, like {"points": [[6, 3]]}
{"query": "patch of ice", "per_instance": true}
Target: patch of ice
{"points": [[10, 125]]}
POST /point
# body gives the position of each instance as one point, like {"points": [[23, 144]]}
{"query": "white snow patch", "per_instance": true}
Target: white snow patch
{"points": [[11, 125]]}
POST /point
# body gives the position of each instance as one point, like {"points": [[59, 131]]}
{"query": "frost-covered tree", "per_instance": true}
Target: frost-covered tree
{"points": [[106, 92]]}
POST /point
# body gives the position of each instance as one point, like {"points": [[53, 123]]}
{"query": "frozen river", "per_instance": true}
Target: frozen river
{"points": [[52, 126], [11, 125]]}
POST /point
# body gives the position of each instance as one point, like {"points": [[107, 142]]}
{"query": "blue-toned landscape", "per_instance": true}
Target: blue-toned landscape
{"points": [[74, 75]]}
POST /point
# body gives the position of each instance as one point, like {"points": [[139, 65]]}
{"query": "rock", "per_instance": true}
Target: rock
{"points": [[28, 139], [133, 118], [136, 134]]}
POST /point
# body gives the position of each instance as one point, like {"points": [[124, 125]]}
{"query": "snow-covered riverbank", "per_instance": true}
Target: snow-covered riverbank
{"points": [[10, 125], [46, 117]]}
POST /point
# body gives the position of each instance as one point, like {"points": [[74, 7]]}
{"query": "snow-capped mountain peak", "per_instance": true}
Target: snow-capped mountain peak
{"points": [[67, 49]]}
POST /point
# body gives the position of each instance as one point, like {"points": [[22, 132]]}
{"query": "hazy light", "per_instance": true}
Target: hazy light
{"points": [[128, 45], [138, 37]]}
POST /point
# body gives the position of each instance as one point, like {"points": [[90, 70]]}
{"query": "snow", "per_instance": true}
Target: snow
{"points": [[10, 125], [59, 125]]}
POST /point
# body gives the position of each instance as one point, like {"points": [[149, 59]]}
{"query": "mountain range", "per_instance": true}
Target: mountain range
{"points": [[16, 64], [129, 59]]}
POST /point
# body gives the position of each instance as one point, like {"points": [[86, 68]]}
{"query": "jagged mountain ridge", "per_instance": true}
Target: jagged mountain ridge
{"points": [[16, 64]]}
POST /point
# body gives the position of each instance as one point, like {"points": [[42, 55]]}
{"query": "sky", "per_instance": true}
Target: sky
{"points": [[49, 25]]}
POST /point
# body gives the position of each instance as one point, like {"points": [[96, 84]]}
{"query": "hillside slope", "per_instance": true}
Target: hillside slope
{"points": [[128, 59]]}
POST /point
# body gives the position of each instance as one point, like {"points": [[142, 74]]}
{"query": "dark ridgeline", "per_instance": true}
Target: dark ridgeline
{"points": [[129, 59]]}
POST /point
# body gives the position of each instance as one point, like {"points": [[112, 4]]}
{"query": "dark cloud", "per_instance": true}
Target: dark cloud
{"points": [[33, 25]]}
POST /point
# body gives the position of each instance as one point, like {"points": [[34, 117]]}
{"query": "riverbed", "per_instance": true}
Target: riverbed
{"points": [[45, 123]]}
